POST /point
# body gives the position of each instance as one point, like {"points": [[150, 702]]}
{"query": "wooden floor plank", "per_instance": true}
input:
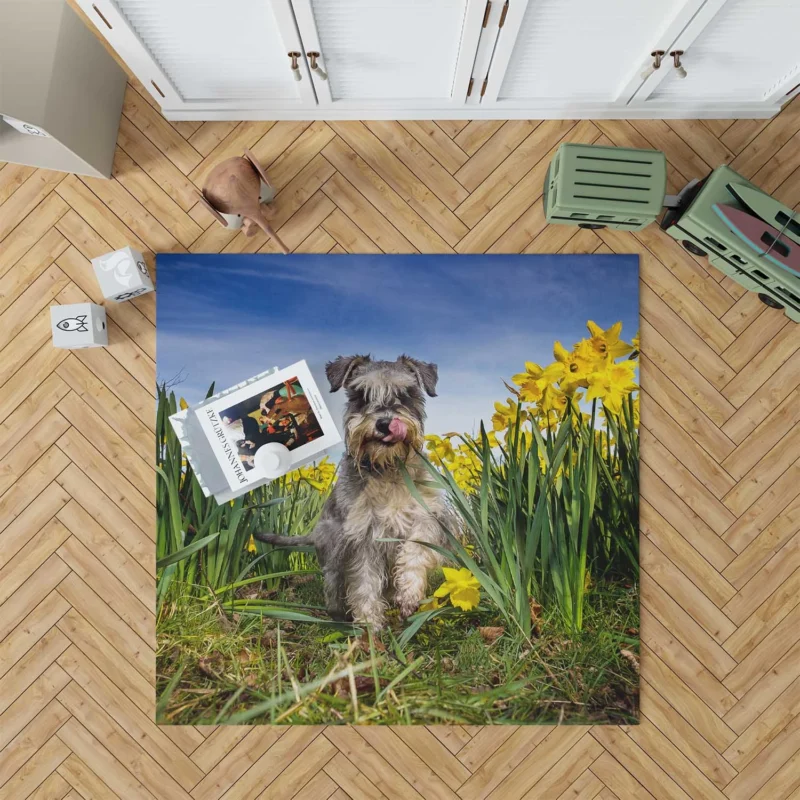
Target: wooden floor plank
{"points": [[431, 136]]}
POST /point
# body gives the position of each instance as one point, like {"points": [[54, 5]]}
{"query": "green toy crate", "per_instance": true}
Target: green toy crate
{"points": [[702, 232], [605, 187]]}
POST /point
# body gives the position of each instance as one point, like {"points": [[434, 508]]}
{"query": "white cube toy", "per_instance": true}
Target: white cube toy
{"points": [[122, 275], [78, 325]]}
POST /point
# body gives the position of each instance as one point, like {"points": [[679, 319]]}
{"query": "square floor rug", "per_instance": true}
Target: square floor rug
{"points": [[398, 489]]}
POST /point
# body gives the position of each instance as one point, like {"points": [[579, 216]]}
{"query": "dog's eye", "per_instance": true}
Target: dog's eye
{"points": [[357, 396]]}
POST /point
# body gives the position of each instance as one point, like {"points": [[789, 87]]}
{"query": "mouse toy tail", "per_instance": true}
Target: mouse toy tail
{"points": [[267, 228]]}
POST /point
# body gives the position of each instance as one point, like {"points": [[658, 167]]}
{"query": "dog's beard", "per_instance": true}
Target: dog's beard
{"points": [[366, 446]]}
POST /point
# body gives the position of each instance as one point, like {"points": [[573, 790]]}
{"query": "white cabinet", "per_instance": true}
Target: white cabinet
{"points": [[414, 53], [733, 51], [214, 55], [233, 59], [576, 52]]}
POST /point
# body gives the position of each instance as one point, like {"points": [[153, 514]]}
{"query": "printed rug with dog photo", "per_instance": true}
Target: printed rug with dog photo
{"points": [[398, 489]]}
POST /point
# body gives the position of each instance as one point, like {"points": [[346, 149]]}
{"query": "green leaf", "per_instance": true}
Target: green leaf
{"points": [[180, 555], [416, 621]]}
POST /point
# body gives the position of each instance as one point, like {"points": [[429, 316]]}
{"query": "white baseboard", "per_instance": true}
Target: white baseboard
{"points": [[699, 111]]}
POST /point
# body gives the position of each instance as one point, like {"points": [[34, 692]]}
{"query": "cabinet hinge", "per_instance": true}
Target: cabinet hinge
{"points": [[486, 13], [483, 88], [503, 15], [469, 88]]}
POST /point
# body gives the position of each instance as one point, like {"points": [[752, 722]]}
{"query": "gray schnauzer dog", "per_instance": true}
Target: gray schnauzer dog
{"points": [[384, 428]]}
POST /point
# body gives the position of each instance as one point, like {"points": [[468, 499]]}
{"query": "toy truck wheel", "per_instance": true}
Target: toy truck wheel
{"points": [[693, 248], [590, 225], [769, 301]]}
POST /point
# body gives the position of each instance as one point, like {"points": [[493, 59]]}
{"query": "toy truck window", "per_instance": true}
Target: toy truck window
{"points": [[775, 244], [792, 225], [789, 295]]}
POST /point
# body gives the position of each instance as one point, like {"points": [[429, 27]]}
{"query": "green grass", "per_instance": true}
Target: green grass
{"points": [[551, 518], [217, 667]]}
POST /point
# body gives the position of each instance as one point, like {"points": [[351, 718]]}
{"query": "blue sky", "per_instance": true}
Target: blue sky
{"points": [[224, 318]]}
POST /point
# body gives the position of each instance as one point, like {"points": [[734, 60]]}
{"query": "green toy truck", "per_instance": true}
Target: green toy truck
{"points": [[605, 187], [696, 225], [593, 186]]}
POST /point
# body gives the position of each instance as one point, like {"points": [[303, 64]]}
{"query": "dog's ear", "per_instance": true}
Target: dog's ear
{"points": [[339, 371], [427, 374]]}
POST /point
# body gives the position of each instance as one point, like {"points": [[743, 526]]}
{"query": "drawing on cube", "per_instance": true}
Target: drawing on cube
{"points": [[122, 275], [78, 325]]}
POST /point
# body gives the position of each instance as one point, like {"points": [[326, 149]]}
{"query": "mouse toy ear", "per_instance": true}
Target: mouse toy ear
{"points": [[340, 370], [427, 374], [256, 166]]}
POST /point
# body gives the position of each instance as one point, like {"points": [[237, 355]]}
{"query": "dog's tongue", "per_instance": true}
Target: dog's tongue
{"points": [[398, 431]]}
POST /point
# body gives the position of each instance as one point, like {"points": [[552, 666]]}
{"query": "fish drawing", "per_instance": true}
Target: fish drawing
{"points": [[73, 324]]}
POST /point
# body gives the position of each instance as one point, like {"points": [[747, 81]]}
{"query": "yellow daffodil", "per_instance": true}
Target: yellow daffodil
{"points": [[319, 476], [535, 380], [465, 469], [588, 353], [183, 404], [575, 365], [462, 587], [431, 605], [635, 342], [251, 544], [607, 343], [612, 384], [553, 400], [491, 439], [440, 449], [532, 372], [505, 415]]}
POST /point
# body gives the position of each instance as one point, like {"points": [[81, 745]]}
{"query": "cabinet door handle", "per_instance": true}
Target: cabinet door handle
{"points": [[676, 60], [657, 56], [295, 66], [315, 68]]}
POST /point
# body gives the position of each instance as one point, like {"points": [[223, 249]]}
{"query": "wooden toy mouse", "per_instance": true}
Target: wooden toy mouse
{"points": [[233, 194]]}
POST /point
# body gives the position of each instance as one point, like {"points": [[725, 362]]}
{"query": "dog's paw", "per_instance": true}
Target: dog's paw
{"points": [[375, 621], [407, 609]]}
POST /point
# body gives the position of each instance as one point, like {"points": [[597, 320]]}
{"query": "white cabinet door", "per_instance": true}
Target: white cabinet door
{"points": [[735, 51], [208, 54], [403, 54], [561, 54]]}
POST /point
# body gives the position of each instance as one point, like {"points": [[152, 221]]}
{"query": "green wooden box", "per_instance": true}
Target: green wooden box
{"points": [[605, 187], [702, 232]]}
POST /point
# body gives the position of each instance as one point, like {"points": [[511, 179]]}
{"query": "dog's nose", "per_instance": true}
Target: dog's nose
{"points": [[382, 425]]}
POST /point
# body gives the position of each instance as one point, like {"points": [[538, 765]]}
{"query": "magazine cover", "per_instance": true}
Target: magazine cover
{"points": [[285, 407]]}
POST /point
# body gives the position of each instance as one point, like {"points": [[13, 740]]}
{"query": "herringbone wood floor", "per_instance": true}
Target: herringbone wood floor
{"points": [[720, 470]]}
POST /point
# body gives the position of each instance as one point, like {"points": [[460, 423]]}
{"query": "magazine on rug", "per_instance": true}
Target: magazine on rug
{"points": [[284, 407]]}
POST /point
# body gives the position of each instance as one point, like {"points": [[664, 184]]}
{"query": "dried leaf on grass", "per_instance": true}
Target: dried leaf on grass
{"points": [[491, 634], [363, 643], [212, 666], [536, 613], [631, 658], [364, 683]]}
